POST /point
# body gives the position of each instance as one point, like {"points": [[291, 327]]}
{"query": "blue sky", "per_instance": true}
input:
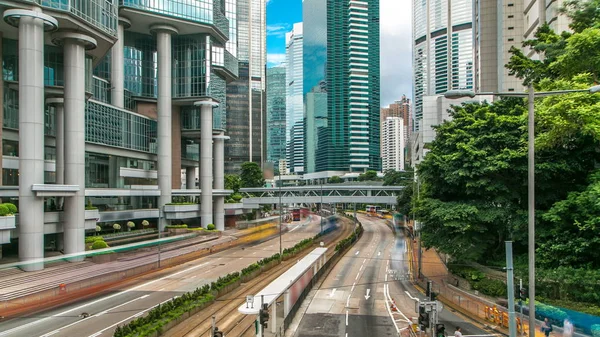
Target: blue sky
{"points": [[396, 36]]}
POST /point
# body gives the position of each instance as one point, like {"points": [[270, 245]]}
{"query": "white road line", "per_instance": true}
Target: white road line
{"points": [[358, 251], [161, 289], [386, 277], [361, 267], [348, 301], [332, 292], [346, 317], [357, 275], [352, 289], [7, 332], [365, 260]]}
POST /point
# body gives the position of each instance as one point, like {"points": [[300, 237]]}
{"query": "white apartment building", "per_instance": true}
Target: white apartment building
{"points": [[392, 152]]}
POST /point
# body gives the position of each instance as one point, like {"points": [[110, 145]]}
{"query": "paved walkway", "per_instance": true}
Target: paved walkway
{"points": [[467, 303]]}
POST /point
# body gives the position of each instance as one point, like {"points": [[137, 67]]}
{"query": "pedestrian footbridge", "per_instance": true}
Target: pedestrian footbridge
{"points": [[315, 194]]}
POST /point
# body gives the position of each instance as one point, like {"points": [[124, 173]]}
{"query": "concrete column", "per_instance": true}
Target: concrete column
{"points": [[190, 178], [75, 45], [117, 64], [206, 157], [31, 24], [163, 42], [219, 174]]}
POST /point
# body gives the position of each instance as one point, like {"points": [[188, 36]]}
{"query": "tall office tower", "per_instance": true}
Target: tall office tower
{"points": [[156, 74], [443, 49], [276, 117], [314, 17], [295, 109], [497, 25], [246, 97], [392, 153], [352, 138]]}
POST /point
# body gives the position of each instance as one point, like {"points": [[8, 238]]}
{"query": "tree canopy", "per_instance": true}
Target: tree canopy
{"points": [[368, 176], [251, 175]]}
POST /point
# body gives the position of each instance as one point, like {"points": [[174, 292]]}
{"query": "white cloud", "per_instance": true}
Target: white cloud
{"points": [[278, 29], [275, 59], [396, 49]]}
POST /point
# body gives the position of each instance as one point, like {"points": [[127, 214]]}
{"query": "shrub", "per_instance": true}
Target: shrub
{"points": [[100, 244], [145, 223], [236, 197], [92, 239], [12, 209], [176, 226], [3, 210], [490, 287], [210, 227], [117, 227], [98, 228], [130, 224]]}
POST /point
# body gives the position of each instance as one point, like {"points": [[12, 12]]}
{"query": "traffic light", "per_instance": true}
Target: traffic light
{"points": [[423, 317], [428, 290], [523, 294], [217, 333], [440, 330], [433, 296], [263, 315]]}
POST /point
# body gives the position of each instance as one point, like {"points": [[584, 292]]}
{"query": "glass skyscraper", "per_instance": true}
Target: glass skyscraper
{"points": [[276, 118], [246, 96], [294, 100], [351, 140], [443, 49]]}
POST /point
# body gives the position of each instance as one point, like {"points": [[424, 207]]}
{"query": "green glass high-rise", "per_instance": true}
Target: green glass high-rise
{"points": [[351, 140]]}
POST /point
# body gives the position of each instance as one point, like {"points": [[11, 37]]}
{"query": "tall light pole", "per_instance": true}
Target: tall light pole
{"points": [[321, 207], [531, 95], [280, 218]]}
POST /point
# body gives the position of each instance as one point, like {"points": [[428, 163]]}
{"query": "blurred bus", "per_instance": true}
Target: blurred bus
{"points": [[296, 214]]}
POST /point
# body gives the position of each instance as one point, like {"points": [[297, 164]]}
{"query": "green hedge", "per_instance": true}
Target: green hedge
{"points": [[347, 242], [4, 210], [176, 226], [210, 227], [12, 209], [92, 239], [100, 244], [478, 280]]}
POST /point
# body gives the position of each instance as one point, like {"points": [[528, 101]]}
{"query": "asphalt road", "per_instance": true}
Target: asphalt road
{"points": [[108, 310], [356, 297]]}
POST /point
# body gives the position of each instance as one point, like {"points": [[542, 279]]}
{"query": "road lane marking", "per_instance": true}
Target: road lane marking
{"points": [[378, 253], [358, 251], [357, 275], [352, 289], [332, 292], [367, 295], [4, 333], [361, 267], [386, 277], [365, 260], [346, 317], [348, 301]]}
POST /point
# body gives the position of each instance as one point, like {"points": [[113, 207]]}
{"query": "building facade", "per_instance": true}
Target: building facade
{"points": [[276, 114], [497, 26], [294, 99], [401, 109], [246, 96], [352, 137], [442, 49], [109, 108], [537, 12], [392, 152]]}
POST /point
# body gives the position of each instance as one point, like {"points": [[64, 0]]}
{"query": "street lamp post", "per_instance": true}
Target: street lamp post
{"points": [[531, 94]]}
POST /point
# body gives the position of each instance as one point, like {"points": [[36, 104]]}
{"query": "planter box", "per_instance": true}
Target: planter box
{"points": [[6, 224], [177, 231], [104, 258]]}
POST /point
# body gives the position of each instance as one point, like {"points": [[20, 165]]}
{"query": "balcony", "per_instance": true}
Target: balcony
{"points": [[101, 14], [225, 64]]}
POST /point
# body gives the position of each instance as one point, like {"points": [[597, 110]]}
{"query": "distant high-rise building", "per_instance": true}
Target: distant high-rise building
{"points": [[294, 100], [314, 17], [442, 49], [392, 153], [400, 109], [498, 25], [276, 116], [537, 12], [246, 97], [316, 124], [351, 139]]}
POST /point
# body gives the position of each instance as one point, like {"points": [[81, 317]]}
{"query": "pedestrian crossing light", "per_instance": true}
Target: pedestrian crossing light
{"points": [[263, 315], [423, 317]]}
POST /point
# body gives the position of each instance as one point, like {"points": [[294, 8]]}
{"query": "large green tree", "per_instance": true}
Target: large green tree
{"points": [[398, 178], [233, 182], [251, 175]]}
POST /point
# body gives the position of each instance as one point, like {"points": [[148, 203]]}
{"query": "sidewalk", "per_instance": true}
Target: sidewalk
{"points": [[466, 303]]}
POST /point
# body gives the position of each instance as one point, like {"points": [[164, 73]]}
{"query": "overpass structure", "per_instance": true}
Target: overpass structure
{"points": [[315, 194]]}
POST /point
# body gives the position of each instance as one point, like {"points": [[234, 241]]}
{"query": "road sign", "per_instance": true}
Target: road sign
{"points": [[250, 300]]}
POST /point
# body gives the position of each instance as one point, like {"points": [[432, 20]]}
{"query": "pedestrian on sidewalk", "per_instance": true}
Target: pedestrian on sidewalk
{"points": [[546, 327], [458, 332], [567, 328]]}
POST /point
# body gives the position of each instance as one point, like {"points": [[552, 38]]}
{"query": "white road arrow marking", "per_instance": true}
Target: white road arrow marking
{"points": [[332, 292], [358, 251], [367, 295]]}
